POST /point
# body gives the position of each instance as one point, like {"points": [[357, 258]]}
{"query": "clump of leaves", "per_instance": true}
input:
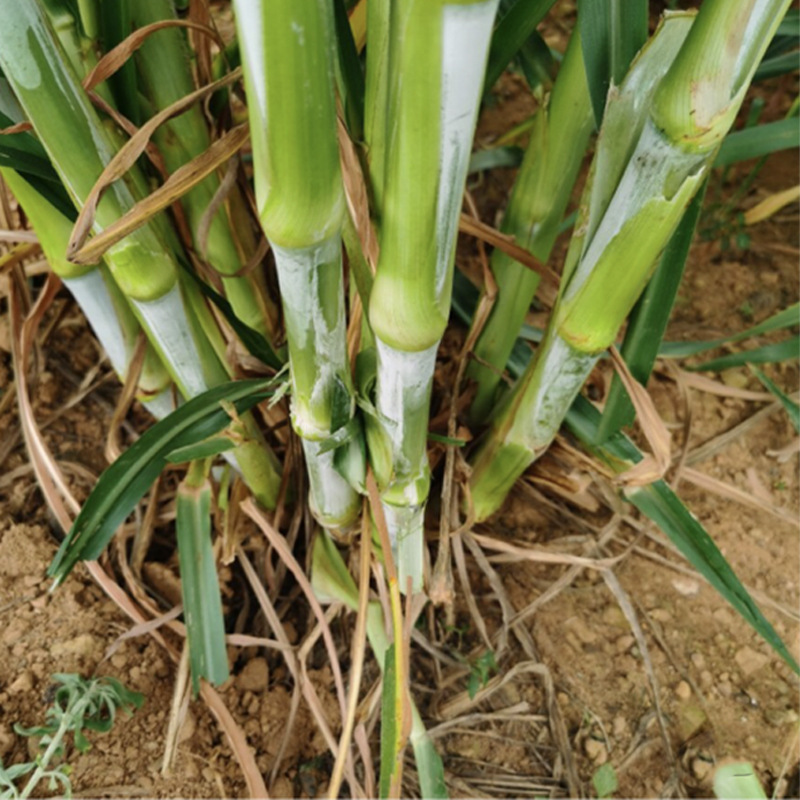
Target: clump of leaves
{"points": [[79, 705], [480, 670]]}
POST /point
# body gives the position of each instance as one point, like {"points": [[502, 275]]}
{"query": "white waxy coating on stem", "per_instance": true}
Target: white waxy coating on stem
{"points": [[407, 534], [403, 389], [332, 500], [310, 329], [161, 405], [169, 329], [559, 374], [249, 16], [655, 164], [466, 30], [92, 295]]}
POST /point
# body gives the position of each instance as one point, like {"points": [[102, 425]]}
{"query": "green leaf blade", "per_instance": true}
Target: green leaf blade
{"points": [[126, 481], [786, 318], [390, 729], [202, 603], [660, 504], [612, 33], [759, 140], [511, 33], [792, 409], [767, 354]]}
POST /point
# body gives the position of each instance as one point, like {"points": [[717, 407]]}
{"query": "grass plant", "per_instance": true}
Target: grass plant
{"points": [[146, 208], [79, 706]]}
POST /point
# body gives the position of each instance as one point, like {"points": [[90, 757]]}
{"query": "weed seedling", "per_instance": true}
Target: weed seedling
{"points": [[605, 781], [79, 705]]}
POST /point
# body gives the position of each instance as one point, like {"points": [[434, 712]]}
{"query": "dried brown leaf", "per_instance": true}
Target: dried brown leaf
{"points": [[651, 467], [355, 189], [115, 58], [506, 243], [179, 183], [129, 153], [20, 127]]}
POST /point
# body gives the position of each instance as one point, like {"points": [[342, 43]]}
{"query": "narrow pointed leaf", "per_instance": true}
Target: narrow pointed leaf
{"points": [[430, 768], [511, 33], [129, 478], [786, 318], [769, 353], [778, 65], [792, 409], [661, 505], [115, 23], [205, 449], [390, 731], [657, 501], [612, 33], [350, 76], [202, 604], [759, 140], [255, 343]]}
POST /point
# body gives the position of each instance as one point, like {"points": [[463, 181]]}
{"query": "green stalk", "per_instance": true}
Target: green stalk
{"points": [[437, 57], [648, 322], [288, 65], [538, 200], [100, 299], [654, 151], [165, 77], [79, 147], [332, 583], [376, 102], [79, 50], [114, 20]]}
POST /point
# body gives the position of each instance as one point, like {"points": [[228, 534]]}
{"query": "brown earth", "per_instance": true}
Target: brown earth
{"points": [[572, 690]]}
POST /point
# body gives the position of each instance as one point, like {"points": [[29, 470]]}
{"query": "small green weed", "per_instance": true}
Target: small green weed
{"points": [[605, 780], [79, 704], [480, 670]]}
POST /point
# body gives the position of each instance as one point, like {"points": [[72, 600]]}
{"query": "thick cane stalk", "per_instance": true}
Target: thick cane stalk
{"points": [[100, 299], [79, 147], [659, 137], [436, 61], [288, 61], [165, 77], [538, 200], [376, 101]]}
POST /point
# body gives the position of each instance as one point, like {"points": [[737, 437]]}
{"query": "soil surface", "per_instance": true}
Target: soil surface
{"points": [[571, 691]]}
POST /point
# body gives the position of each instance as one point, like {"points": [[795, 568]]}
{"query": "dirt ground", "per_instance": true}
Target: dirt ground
{"points": [[571, 691]]}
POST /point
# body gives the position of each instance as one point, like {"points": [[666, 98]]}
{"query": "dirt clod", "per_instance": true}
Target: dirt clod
{"points": [[23, 683], [683, 691], [254, 677], [750, 661]]}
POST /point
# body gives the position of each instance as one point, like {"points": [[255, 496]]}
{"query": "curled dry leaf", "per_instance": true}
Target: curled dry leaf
{"points": [[355, 190], [506, 243], [771, 205], [115, 58], [179, 183], [129, 153], [651, 467]]}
